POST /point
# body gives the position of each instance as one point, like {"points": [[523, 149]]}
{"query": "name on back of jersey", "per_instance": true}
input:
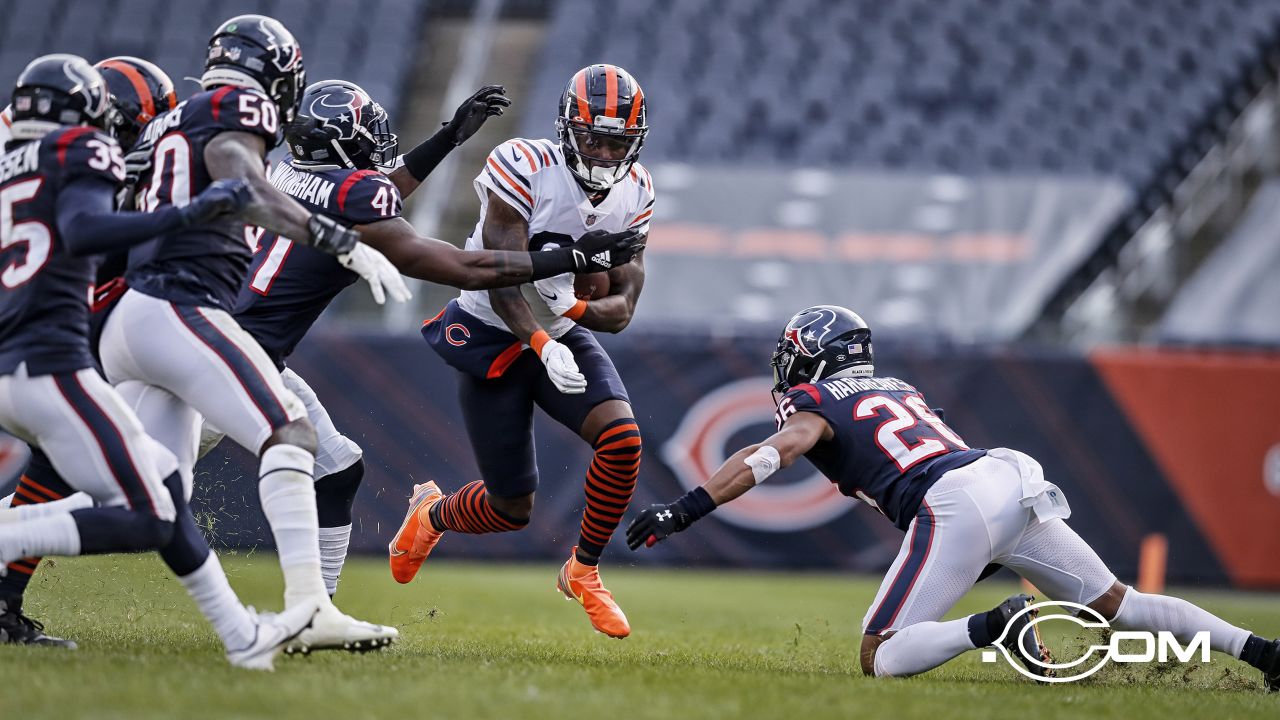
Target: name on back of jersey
{"points": [[841, 388], [23, 161], [162, 124], [304, 186]]}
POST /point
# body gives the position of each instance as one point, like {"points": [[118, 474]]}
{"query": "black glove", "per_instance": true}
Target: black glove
{"points": [[656, 522], [222, 197], [331, 237], [488, 102], [599, 250]]}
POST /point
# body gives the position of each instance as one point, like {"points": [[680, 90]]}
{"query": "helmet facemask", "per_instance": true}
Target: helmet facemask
{"points": [[600, 172]]}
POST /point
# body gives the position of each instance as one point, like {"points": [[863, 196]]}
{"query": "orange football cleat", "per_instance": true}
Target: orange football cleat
{"points": [[582, 583], [416, 538]]}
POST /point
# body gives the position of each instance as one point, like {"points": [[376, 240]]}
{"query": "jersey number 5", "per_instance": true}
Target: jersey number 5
{"points": [[905, 416], [32, 232]]}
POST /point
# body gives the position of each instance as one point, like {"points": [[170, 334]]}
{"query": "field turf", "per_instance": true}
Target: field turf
{"points": [[496, 641]]}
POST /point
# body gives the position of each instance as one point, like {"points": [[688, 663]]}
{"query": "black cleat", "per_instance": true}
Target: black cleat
{"points": [[1032, 646], [18, 629], [1271, 673]]}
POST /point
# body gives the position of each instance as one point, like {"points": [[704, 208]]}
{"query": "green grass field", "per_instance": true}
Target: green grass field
{"points": [[496, 641]]}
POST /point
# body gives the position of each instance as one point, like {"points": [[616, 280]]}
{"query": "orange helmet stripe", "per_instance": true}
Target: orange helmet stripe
{"points": [[637, 102], [139, 85], [580, 87], [611, 91]]}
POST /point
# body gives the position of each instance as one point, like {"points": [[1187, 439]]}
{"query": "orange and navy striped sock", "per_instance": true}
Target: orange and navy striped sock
{"points": [[29, 492], [467, 511], [610, 481]]}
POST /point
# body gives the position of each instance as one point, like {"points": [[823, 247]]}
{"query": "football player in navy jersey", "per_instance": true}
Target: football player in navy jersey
{"points": [[171, 346], [339, 144], [138, 90], [58, 179], [963, 509]]}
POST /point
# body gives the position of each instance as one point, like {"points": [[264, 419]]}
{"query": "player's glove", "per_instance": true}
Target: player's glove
{"points": [[383, 277], [557, 293], [488, 102], [330, 236], [659, 522], [562, 369], [222, 197], [599, 250]]}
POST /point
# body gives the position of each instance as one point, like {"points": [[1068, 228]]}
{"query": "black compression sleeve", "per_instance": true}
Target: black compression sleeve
{"points": [[89, 225], [550, 263], [421, 160]]}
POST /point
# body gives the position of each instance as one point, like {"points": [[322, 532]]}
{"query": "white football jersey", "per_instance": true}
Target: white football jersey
{"points": [[531, 176]]}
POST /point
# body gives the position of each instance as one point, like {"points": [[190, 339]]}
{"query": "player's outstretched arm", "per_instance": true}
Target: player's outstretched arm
{"points": [[613, 312], [238, 155], [437, 261], [89, 224], [744, 470], [489, 101]]}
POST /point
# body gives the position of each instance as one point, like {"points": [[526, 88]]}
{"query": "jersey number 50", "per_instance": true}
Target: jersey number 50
{"points": [[904, 416]]}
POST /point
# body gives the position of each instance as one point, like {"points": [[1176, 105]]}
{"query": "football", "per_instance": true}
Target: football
{"points": [[591, 287]]}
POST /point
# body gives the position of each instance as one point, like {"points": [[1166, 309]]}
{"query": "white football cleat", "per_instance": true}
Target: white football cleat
{"points": [[333, 630], [272, 631]]}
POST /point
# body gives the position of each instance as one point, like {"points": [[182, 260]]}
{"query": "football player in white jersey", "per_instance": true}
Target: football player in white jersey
{"points": [[537, 194]]}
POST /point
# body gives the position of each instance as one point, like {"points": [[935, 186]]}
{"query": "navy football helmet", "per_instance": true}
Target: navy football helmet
{"points": [[339, 124], [258, 52], [58, 90], [602, 125], [820, 342], [139, 91]]}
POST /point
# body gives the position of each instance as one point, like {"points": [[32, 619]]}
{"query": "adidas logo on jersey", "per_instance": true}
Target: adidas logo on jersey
{"points": [[602, 259]]}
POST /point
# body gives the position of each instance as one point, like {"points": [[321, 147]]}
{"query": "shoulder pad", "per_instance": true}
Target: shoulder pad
{"points": [[86, 151], [367, 196], [508, 171], [243, 109]]}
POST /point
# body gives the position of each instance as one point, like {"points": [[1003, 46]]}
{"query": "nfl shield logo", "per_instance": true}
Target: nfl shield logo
{"points": [[591, 220]]}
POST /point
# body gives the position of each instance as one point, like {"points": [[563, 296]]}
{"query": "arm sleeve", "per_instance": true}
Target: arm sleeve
{"points": [[508, 172], [88, 224], [366, 197]]}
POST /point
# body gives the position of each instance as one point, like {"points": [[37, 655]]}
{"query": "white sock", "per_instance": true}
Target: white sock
{"points": [[288, 498], [923, 646], [53, 535], [75, 501], [1139, 611], [209, 588], [333, 554]]}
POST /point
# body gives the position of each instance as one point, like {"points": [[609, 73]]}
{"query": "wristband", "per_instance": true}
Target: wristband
{"points": [[577, 310], [538, 340], [421, 160], [696, 503], [550, 263]]}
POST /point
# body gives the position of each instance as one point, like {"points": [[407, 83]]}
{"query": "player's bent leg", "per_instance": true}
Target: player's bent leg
{"points": [[41, 487], [1128, 609], [251, 640], [339, 472]]}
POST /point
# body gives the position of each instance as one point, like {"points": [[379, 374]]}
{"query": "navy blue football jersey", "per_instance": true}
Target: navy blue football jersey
{"points": [[204, 264], [289, 285], [889, 448], [44, 291]]}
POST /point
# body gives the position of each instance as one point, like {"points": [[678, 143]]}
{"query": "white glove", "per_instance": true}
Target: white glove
{"points": [[557, 293], [562, 370], [377, 270]]}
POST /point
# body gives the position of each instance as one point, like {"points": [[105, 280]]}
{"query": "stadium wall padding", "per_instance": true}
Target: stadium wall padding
{"points": [[1183, 444]]}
